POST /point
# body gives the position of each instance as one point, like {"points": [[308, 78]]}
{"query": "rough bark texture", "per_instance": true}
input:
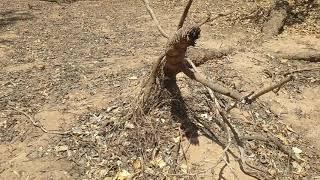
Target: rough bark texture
{"points": [[176, 48], [305, 48], [278, 16], [168, 65], [201, 56]]}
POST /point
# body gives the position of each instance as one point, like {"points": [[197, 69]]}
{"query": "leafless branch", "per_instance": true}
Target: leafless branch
{"points": [[269, 88], [275, 141], [153, 16], [302, 70], [213, 86], [38, 125], [185, 14], [198, 76]]}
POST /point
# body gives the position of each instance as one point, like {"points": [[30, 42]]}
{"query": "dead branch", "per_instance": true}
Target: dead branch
{"points": [[231, 169], [268, 89], [153, 16], [312, 55], [184, 14], [219, 110], [275, 141], [301, 70], [201, 55], [277, 18], [39, 125], [213, 86], [243, 164], [196, 75]]}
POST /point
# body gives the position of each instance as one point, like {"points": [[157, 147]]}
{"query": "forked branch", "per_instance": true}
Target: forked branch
{"points": [[197, 76]]}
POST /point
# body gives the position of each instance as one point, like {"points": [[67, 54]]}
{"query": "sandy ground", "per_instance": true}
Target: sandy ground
{"points": [[58, 62]]}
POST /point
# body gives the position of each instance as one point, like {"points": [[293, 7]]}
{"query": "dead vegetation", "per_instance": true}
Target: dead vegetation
{"points": [[154, 148], [140, 137]]}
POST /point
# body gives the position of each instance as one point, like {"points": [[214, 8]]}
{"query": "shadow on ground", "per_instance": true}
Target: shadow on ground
{"points": [[11, 17]]}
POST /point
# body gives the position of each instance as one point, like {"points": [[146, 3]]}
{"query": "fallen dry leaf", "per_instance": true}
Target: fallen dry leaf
{"points": [[159, 162], [122, 175]]}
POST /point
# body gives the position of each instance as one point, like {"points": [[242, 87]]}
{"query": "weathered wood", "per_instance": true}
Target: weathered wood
{"points": [[277, 19]]}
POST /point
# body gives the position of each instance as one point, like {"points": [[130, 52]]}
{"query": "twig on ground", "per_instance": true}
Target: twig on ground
{"points": [[38, 125], [275, 141], [231, 169], [153, 16], [210, 19], [301, 70], [225, 150], [219, 109], [178, 152], [183, 151], [243, 164], [268, 89]]}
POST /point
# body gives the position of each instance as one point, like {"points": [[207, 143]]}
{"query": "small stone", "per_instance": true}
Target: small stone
{"points": [[133, 78], [177, 139], [61, 148], [129, 125]]}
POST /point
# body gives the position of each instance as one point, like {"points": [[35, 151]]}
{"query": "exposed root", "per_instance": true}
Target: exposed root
{"points": [[275, 141], [161, 86]]}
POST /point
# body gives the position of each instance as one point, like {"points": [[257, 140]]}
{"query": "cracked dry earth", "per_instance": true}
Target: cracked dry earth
{"points": [[60, 61]]}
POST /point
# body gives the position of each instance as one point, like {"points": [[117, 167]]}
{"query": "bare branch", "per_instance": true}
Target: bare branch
{"points": [[302, 70], [275, 141], [39, 125], [196, 75], [213, 86], [153, 16], [269, 88], [185, 14], [210, 19]]}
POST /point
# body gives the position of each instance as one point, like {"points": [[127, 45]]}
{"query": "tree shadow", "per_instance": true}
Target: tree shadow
{"points": [[4, 41], [300, 10], [11, 17], [179, 112]]}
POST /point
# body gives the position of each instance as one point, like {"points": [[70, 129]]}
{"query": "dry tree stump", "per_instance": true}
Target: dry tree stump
{"points": [[161, 81]]}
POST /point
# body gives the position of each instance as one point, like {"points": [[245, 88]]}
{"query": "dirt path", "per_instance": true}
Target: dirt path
{"points": [[59, 62]]}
